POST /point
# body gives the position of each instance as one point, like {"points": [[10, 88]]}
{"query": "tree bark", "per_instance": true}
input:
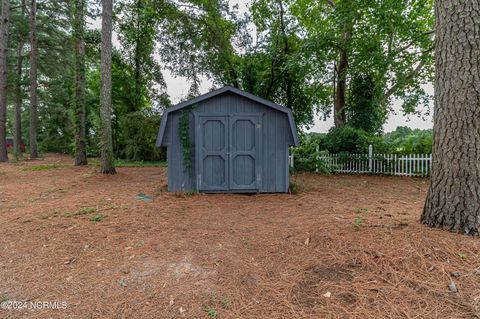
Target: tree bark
{"points": [[4, 25], [33, 80], [107, 165], [453, 200], [79, 104], [17, 119], [137, 58], [340, 115], [286, 51]]}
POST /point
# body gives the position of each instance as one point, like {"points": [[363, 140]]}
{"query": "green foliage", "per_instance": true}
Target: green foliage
{"points": [[364, 110], [136, 136], [185, 139], [137, 22], [392, 41], [405, 140], [307, 155], [348, 139]]}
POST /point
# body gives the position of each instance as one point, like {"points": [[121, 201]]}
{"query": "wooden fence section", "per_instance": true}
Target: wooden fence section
{"points": [[386, 164]]}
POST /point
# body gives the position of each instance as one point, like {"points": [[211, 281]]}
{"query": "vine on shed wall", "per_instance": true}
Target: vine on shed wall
{"points": [[184, 134]]}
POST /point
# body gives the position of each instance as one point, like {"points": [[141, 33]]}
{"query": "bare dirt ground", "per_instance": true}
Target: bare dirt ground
{"points": [[343, 247]]}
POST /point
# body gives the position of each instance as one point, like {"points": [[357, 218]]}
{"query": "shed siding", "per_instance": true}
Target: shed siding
{"points": [[276, 138]]}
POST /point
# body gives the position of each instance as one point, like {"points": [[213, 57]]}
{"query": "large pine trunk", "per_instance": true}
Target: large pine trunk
{"points": [[79, 104], [4, 24], [33, 80], [106, 89], [17, 119], [453, 200]]}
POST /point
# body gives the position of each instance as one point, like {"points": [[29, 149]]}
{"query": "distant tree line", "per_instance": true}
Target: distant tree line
{"points": [[346, 59]]}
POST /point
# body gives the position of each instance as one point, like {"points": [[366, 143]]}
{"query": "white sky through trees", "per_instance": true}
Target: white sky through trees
{"points": [[178, 87]]}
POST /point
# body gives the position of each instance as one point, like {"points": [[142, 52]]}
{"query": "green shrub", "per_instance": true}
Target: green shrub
{"points": [[137, 137], [306, 156]]}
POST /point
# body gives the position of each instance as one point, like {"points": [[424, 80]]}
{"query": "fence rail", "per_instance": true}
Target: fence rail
{"points": [[386, 164]]}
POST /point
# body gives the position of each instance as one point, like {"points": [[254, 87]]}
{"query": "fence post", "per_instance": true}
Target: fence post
{"points": [[370, 157], [317, 157], [291, 159]]}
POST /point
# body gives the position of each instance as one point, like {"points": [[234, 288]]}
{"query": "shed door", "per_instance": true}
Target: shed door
{"points": [[212, 133], [228, 152], [244, 131]]}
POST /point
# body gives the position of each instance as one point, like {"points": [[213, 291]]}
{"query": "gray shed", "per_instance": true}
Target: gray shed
{"points": [[239, 143]]}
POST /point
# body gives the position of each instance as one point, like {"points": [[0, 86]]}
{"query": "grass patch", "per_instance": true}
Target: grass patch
{"points": [[97, 218], [4, 298], [86, 210], [36, 168], [212, 313], [124, 163]]}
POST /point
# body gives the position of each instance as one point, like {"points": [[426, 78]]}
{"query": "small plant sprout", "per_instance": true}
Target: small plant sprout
{"points": [[358, 222], [226, 303], [212, 313], [189, 194], [97, 218], [462, 256]]}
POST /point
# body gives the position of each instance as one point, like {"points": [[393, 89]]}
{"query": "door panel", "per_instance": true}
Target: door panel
{"points": [[212, 146], [244, 136]]}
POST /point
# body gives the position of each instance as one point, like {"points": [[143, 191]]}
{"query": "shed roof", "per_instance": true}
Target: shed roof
{"points": [[225, 89]]}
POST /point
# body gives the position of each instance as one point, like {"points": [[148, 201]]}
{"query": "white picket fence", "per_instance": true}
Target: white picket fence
{"points": [[386, 164]]}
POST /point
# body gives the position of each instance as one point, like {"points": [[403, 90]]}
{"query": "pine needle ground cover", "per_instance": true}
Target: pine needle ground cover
{"points": [[341, 247]]}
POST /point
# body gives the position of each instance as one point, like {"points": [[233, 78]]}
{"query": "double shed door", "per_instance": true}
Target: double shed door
{"points": [[228, 152]]}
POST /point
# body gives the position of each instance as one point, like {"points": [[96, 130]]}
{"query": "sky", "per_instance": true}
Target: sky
{"points": [[177, 88]]}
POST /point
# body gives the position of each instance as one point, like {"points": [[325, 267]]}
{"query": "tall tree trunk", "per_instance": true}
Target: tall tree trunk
{"points": [[286, 51], [79, 104], [107, 160], [137, 58], [453, 200], [17, 119], [340, 115], [339, 112], [4, 24], [33, 80]]}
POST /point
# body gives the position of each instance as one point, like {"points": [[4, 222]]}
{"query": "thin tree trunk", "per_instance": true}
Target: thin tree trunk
{"points": [[107, 160], [4, 25], [453, 200], [79, 110], [33, 80], [17, 119]]}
